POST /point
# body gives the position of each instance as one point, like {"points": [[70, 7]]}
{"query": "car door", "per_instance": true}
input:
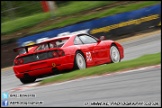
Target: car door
{"points": [[97, 51], [101, 52], [87, 49]]}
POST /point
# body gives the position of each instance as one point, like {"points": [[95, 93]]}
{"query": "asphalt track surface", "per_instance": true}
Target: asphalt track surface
{"points": [[140, 87]]}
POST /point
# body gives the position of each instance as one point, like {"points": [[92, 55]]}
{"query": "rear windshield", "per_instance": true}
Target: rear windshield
{"points": [[54, 44]]}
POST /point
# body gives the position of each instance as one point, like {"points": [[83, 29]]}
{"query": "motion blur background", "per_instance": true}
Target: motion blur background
{"points": [[23, 18]]}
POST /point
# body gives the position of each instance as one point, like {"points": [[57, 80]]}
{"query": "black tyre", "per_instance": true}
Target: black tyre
{"points": [[114, 54], [79, 62], [27, 80]]}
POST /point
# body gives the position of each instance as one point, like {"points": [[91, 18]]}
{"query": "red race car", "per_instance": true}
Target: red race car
{"points": [[77, 51]]}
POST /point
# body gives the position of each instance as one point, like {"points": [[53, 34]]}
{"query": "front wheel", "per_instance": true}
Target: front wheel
{"points": [[80, 62], [114, 54]]}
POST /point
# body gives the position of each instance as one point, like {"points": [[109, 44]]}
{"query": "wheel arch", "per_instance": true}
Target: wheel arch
{"points": [[80, 51], [119, 47], [113, 43]]}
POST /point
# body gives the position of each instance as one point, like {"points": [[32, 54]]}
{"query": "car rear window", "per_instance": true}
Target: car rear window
{"points": [[53, 44]]}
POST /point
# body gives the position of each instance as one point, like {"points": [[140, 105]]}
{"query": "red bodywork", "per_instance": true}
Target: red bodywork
{"points": [[100, 54]]}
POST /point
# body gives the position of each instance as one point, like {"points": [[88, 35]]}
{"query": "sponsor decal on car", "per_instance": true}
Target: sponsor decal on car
{"points": [[88, 56]]}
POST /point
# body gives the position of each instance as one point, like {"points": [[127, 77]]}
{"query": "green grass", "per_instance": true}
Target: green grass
{"points": [[115, 10], [21, 23], [74, 7], [145, 60]]}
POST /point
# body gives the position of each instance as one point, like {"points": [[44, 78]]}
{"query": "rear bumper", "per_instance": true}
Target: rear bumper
{"points": [[42, 71], [34, 73], [44, 67]]}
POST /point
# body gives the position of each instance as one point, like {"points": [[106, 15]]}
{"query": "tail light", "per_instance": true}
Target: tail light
{"points": [[55, 54], [61, 53], [21, 61], [58, 53], [18, 61]]}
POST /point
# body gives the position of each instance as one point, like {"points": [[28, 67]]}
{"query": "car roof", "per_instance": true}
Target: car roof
{"points": [[65, 36], [71, 36], [60, 37]]}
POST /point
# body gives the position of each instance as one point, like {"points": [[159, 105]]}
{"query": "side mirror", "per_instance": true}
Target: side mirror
{"points": [[98, 40], [102, 38]]}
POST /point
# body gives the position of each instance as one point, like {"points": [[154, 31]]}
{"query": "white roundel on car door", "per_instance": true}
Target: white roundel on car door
{"points": [[88, 56]]}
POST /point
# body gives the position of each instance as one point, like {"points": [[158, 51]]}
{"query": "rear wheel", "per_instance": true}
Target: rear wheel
{"points": [[114, 54], [27, 80], [80, 62]]}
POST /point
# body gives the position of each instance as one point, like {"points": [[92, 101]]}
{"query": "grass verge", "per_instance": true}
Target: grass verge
{"points": [[112, 11], [18, 24], [145, 60], [69, 9]]}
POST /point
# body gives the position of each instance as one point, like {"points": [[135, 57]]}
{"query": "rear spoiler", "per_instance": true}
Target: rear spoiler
{"points": [[26, 47]]}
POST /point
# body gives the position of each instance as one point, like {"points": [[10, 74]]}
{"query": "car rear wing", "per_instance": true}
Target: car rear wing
{"points": [[26, 48]]}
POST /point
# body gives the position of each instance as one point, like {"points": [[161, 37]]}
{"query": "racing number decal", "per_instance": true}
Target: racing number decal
{"points": [[88, 56]]}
